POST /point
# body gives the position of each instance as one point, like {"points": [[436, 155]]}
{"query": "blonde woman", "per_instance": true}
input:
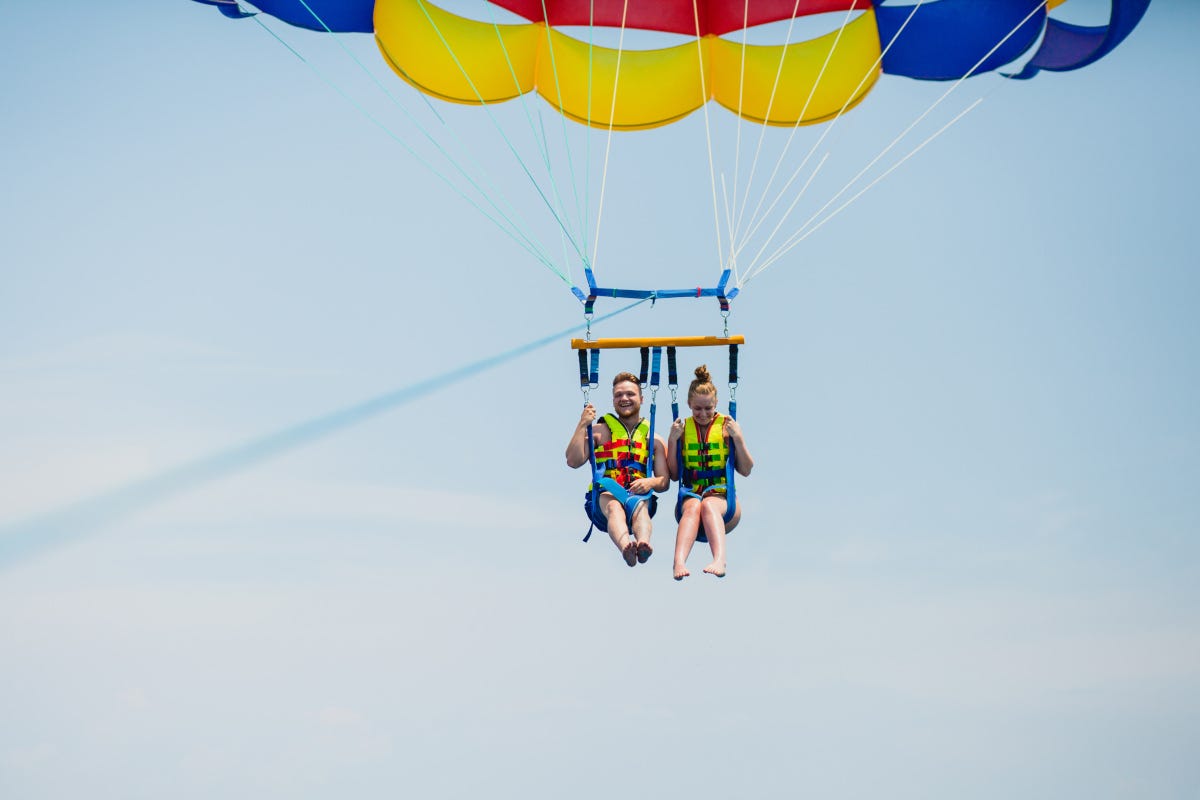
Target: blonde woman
{"points": [[707, 441]]}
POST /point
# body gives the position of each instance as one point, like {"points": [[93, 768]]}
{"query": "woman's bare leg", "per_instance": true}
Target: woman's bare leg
{"points": [[689, 526], [712, 513]]}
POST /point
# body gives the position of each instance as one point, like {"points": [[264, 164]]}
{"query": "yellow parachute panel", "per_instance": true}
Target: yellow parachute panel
{"points": [[852, 70], [652, 88], [469, 61], [454, 58]]}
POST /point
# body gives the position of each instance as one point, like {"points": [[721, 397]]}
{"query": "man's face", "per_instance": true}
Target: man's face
{"points": [[627, 399]]}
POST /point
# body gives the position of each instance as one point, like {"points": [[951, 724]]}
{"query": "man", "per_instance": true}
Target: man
{"points": [[624, 498]]}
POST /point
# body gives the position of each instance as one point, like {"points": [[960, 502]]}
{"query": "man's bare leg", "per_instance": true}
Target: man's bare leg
{"points": [[642, 525], [618, 530]]}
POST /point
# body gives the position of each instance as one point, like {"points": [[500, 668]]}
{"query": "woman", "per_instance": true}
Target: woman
{"points": [[707, 440]]}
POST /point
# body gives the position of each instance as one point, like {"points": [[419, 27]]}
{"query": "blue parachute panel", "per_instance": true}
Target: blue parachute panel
{"points": [[1066, 47], [945, 40]]}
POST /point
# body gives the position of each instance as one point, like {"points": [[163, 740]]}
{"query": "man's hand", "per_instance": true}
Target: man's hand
{"points": [[642, 485], [588, 416]]}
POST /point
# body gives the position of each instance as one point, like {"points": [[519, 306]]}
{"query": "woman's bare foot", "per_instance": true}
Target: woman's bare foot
{"points": [[681, 571], [644, 551], [716, 568], [630, 552]]}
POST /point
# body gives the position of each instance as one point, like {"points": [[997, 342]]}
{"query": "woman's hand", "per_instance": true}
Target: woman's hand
{"points": [[676, 431]]}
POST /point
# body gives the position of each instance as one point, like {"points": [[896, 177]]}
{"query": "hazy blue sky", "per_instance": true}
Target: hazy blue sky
{"points": [[968, 563]]}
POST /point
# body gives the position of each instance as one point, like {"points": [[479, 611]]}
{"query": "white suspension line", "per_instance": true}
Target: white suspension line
{"points": [[538, 133], [611, 120], [779, 225], [803, 234], [566, 139], [763, 132], [737, 149], [514, 230], [499, 128], [828, 128], [920, 118], [804, 109], [712, 174]]}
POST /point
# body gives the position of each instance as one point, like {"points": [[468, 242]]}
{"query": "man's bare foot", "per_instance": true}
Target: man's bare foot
{"points": [[644, 551], [681, 571], [716, 568], [629, 552]]}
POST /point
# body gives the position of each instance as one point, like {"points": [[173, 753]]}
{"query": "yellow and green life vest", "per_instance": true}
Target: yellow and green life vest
{"points": [[624, 458], [704, 458]]}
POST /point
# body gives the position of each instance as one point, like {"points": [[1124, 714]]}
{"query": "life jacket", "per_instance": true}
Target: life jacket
{"points": [[624, 457], [704, 460]]}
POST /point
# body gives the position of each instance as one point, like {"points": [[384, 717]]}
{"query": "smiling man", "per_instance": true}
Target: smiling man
{"points": [[627, 480]]}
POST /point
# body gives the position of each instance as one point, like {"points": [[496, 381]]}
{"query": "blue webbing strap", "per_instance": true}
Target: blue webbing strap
{"points": [[673, 383], [589, 379], [730, 488], [663, 294], [654, 377], [584, 382]]}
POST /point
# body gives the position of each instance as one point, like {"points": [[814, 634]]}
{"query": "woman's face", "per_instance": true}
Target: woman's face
{"points": [[704, 407]]}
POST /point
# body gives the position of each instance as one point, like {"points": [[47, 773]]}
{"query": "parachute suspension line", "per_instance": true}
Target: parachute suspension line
{"points": [[611, 120], [312, 12], [825, 133], [807, 231], [762, 133], [541, 142], [587, 160], [786, 214], [712, 173], [729, 218], [495, 123], [737, 149], [523, 227], [804, 110], [511, 229], [582, 225], [915, 122]]}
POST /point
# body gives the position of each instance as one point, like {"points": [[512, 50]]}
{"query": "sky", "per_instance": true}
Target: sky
{"points": [[968, 562]]}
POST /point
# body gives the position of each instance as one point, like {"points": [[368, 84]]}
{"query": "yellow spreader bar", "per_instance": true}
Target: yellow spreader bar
{"points": [[656, 341]]}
